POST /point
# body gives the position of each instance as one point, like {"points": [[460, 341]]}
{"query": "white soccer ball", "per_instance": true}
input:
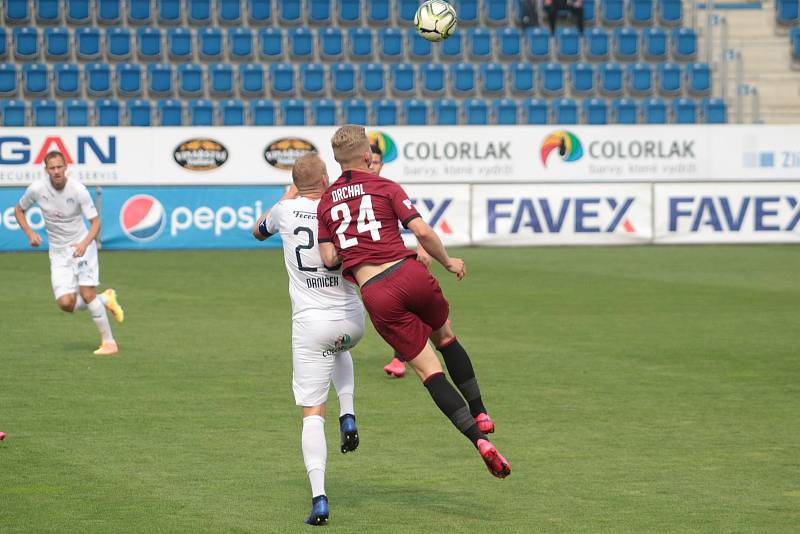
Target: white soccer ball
{"points": [[435, 20]]}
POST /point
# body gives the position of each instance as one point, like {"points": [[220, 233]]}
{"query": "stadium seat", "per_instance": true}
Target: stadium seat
{"points": [[626, 44], [479, 44], [624, 111], [259, 12], [348, 12], [492, 79], [355, 111], [595, 111], [67, 80], [714, 111], [462, 79], [445, 112], [565, 111], [415, 111], [468, 12], [406, 10], [139, 12], [496, 12], [452, 49], [210, 44], [290, 12], [26, 44], [568, 41], [795, 39], [107, 112], [612, 12], [402, 79], [312, 79], [655, 46], [325, 112], [159, 79], [76, 113], [170, 112], [8, 79], [13, 112], [251, 80], [670, 12], [640, 79], [294, 112], [190, 80], [270, 43], [301, 44], [379, 12], [3, 46], [391, 41], [330, 44], [232, 112], [319, 12], [118, 44], [139, 112], [360, 44], [536, 111], [170, 12], [179, 44], [47, 12], [198, 12], [98, 79], [87, 44], [229, 12], [698, 77], [419, 48], [670, 78], [684, 44], [201, 112], [17, 12], [611, 79], [582, 78], [385, 112], [35, 80], [551, 78], [787, 12], [220, 80], [372, 79], [509, 43], [476, 111], [654, 111], [129, 80], [343, 79], [44, 112], [523, 80], [240, 44], [56, 44], [641, 12], [78, 12], [589, 12], [262, 112], [281, 77], [684, 111], [148, 43], [505, 111], [538, 40], [597, 44], [108, 12], [433, 79]]}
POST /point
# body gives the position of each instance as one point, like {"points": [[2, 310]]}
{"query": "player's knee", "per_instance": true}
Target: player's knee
{"points": [[443, 336], [66, 304]]}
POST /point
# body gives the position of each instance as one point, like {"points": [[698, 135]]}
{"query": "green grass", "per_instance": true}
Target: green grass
{"points": [[642, 389]]}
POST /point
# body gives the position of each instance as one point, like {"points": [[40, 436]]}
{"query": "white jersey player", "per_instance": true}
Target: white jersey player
{"points": [[74, 269], [327, 321]]}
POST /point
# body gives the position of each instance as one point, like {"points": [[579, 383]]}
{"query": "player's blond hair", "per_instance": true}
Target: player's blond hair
{"points": [[307, 170], [349, 143]]}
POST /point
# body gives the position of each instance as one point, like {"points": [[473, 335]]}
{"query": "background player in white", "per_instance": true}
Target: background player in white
{"points": [[74, 268], [327, 321]]}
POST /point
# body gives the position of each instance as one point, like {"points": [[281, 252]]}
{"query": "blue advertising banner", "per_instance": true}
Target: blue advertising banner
{"points": [[184, 217]]}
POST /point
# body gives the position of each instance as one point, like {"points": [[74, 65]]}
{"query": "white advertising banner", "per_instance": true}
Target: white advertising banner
{"points": [[445, 208], [578, 214], [727, 213]]}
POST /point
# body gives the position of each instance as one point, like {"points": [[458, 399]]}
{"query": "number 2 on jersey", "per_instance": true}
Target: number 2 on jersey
{"points": [[365, 222]]}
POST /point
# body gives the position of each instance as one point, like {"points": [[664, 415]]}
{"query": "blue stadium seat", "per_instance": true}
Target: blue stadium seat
{"points": [[509, 44], [684, 44], [3, 46], [582, 78], [108, 12], [319, 12], [655, 47], [597, 44], [139, 12], [179, 44], [259, 12], [282, 76], [47, 12], [14, 112], [170, 112], [229, 12], [190, 80], [640, 79], [199, 12], [420, 49], [536, 111], [301, 44], [76, 112], [403, 78], [795, 39], [479, 44], [406, 10], [385, 112], [538, 47], [523, 79], [355, 111], [290, 12], [360, 44], [551, 78], [17, 12], [139, 112], [698, 77], [626, 44], [45, 112], [87, 44], [270, 44], [654, 111], [505, 111], [612, 12], [78, 12], [26, 44], [433, 79], [589, 12], [232, 112], [380, 12], [641, 12], [330, 44], [325, 112], [220, 80], [595, 111], [148, 42], [624, 111], [496, 13], [294, 112], [462, 78], [107, 112], [118, 44], [56, 44], [670, 12], [98, 79], [67, 79], [35, 80], [312, 79], [611, 79], [170, 12], [129, 80], [492, 79], [714, 111], [349, 12], [415, 111], [240, 44], [262, 112], [445, 112], [476, 111], [372, 79], [684, 111], [201, 112], [343, 79], [210, 44], [8, 79], [569, 44], [565, 111], [159, 79], [787, 12], [670, 78], [452, 49], [251, 80], [391, 43]]}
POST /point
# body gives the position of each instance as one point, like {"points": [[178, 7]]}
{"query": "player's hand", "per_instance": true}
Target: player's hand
{"points": [[457, 267], [80, 250], [34, 239], [423, 257]]}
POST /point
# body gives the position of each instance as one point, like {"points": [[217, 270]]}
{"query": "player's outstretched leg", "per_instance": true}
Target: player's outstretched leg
{"points": [[109, 299], [315, 456], [344, 383], [396, 367]]}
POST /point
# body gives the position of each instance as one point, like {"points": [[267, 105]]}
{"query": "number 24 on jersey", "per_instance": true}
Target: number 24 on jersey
{"points": [[365, 222]]}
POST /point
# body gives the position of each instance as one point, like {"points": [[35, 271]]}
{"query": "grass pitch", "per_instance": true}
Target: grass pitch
{"points": [[642, 389]]}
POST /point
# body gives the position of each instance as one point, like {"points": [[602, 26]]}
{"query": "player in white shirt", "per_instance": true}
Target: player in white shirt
{"points": [[327, 321], [74, 269]]}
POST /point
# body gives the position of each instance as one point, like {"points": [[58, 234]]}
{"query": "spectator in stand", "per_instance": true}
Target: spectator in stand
{"points": [[553, 7], [528, 13]]}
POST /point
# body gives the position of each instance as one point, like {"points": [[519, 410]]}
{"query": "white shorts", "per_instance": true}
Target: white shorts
{"points": [[315, 346], [67, 272]]}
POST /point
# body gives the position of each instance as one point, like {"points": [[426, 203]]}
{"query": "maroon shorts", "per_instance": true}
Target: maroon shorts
{"points": [[405, 304]]}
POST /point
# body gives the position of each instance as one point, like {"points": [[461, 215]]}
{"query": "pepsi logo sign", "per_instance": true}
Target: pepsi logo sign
{"points": [[142, 218]]}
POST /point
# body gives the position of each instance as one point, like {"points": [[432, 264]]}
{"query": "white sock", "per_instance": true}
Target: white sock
{"points": [[315, 452], [344, 382], [102, 298], [100, 319], [80, 304]]}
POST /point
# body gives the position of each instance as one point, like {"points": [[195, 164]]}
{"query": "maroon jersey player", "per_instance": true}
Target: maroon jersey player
{"points": [[358, 217]]}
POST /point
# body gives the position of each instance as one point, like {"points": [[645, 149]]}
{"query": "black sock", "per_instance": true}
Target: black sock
{"points": [[460, 368], [452, 405]]}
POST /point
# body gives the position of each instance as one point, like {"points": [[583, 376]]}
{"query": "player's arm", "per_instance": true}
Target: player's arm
{"points": [[94, 230], [260, 231], [330, 257], [33, 238], [433, 245], [422, 256]]}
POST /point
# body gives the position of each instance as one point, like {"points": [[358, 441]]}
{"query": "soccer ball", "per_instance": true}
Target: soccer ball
{"points": [[435, 20]]}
